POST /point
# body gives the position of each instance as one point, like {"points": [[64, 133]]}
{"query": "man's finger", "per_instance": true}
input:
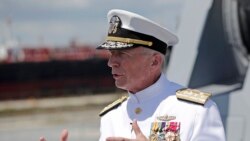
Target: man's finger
{"points": [[117, 139], [136, 128], [64, 135], [42, 139]]}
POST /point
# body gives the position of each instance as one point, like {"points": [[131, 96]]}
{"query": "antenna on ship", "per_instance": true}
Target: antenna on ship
{"points": [[10, 41]]}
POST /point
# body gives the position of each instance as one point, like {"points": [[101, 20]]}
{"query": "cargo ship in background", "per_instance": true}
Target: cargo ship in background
{"points": [[45, 71]]}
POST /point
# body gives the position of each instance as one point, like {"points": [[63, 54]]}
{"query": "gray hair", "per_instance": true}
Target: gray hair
{"points": [[150, 51]]}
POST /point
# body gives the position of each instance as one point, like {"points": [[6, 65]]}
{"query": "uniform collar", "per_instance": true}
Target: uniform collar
{"points": [[158, 88]]}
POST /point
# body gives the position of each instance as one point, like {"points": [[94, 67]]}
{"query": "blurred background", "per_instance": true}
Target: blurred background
{"points": [[52, 77]]}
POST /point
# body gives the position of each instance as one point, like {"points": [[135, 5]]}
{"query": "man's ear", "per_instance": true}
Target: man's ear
{"points": [[156, 60]]}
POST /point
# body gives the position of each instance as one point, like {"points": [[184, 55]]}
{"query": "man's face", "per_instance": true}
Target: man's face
{"points": [[130, 68]]}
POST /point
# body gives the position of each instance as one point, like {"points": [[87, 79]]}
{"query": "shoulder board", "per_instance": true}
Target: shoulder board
{"points": [[193, 95], [113, 105]]}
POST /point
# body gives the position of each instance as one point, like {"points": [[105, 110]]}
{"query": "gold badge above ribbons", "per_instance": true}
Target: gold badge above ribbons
{"points": [[166, 118]]}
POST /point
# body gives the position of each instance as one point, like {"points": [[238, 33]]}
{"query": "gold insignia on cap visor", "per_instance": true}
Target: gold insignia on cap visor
{"points": [[129, 40]]}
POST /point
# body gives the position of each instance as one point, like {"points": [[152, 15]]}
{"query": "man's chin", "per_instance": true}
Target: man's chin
{"points": [[120, 86]]}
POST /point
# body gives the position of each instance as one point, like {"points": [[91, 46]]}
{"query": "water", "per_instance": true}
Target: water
{"points": [[83, 125]]}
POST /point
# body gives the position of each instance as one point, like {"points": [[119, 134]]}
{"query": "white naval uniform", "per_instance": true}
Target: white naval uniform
{"points": [[197, 122]]}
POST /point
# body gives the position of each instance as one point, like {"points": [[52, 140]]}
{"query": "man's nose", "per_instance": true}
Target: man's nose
{"points": [[113, 62]]}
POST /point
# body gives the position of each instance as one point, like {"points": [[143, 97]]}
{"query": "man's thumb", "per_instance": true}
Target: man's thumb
{"points": [[64, 135]]}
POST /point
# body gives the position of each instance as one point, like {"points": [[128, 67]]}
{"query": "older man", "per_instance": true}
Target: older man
{"points": [[155, 109]]}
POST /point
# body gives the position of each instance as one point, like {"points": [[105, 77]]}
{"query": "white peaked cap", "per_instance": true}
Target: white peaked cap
{"points": [[129, 29]]}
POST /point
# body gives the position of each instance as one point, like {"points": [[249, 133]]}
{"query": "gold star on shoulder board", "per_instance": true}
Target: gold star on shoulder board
{"points": [[193, 95]]}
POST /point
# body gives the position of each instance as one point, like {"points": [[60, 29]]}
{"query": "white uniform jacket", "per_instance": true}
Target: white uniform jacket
{"points": [[194, 122]]}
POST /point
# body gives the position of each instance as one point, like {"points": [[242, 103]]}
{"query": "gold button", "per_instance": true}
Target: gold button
{"points": [[138, 110]]}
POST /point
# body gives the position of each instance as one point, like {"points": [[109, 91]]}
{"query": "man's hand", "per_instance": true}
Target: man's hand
{"points": [[63, 137], [139, 135]]}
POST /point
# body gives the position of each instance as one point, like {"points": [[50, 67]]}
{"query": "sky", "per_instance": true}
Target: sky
{"points": [[57, 22]]}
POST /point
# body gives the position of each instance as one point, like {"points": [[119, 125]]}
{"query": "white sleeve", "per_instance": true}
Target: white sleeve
{"points": [[105, 128], [208, 125]]}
